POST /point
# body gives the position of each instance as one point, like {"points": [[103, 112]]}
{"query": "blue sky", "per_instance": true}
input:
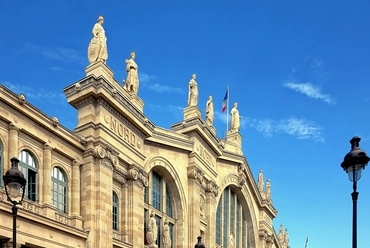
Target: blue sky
{"points": [[299, 70]]}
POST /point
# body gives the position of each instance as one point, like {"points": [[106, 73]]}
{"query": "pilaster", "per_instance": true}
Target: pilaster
{"points": [[13, 143], [211, 208], [194, 177], [46, 178], [135, 212], [75, 188]]}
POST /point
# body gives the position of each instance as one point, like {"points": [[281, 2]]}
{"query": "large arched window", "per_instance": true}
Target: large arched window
{"points": [[29, 168], [115, 211], [59, 189], [230, 221], [1, 165], [158, 199]]}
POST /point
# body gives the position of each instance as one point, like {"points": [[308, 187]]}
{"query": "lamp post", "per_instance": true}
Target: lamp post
{"points": [[353, 163], [199, 244], [15, 183]]}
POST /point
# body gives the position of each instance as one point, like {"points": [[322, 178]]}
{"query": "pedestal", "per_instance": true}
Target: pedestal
{"points": [[99, 69], [191, 113], [234, 142]]}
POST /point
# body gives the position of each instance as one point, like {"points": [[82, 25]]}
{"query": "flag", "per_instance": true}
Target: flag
{"points": [[305, 246], [224, 102]]}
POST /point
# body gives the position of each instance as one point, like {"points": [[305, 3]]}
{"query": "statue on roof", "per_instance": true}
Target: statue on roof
{"points": [[260, 182], [193, 92], [97, 50], [235, 119], [209, 111], [268, 189], [132, 81]]}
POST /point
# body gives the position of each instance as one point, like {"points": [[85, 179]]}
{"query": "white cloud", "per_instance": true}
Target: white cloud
{"points": [[58, 53], [143, 77], [310, 90], [164, 89], [42, 94], [299, 128]]}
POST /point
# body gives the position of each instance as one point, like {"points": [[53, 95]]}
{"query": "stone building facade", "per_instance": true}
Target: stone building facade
{"points": [[118, 180]]}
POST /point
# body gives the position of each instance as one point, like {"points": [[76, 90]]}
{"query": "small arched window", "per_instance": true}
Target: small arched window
{"points": [[59, 189], [27, 164]]}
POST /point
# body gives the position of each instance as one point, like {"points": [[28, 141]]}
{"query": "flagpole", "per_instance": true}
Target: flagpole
{"points": [[227, 109]]}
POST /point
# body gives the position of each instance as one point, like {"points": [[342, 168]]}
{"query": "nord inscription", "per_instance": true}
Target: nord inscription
{"points": [[122, 131]]}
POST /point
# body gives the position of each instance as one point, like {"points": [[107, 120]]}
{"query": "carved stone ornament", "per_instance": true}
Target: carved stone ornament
{"points": [[202, 202], [77, 86], [137, 174], [241, 175], [114, 92], [55, 121], [83, 140], [21, 99], [100, 152], [212, 187]]}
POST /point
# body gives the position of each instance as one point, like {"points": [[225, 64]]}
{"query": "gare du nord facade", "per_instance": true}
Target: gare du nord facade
{"points": [[100, 184]]}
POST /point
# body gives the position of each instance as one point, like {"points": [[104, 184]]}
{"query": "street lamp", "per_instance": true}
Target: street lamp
{"points": [[199, 244], [353, 163], [15, 183]]}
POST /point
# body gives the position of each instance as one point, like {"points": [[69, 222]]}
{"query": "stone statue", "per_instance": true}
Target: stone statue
{"points": [[166, 235], [286, 237], [151, 235], [281, 234], [97, 50], [201, 205], [193, 92], [260, 182], [268, 189], [132, 81], [209, 111], [235, 119]]}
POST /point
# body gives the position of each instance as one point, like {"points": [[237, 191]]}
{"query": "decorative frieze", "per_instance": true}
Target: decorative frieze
{"points": [[31, 206], [62, 218]]}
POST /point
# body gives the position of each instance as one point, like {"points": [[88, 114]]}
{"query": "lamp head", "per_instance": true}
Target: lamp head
{"points": [[15, 183], [355, 160]]}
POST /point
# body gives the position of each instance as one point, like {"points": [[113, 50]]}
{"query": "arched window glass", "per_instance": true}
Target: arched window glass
{"points": [[230, 221], [27, 165], [59, 189], [115, 211], [1, 165], [160, 196]]}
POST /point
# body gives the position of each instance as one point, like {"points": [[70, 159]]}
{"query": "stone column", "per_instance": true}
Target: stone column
{"points": [[195, 178], [45, 180], [211, 208], [13, 144], [135, 206], [75, 185], [88, 198], [103, 204]]}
